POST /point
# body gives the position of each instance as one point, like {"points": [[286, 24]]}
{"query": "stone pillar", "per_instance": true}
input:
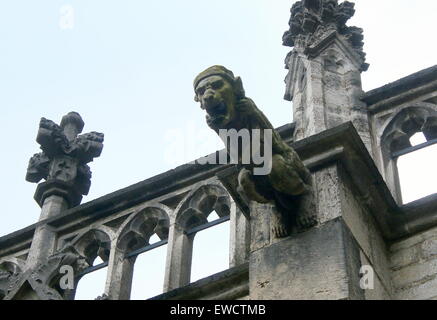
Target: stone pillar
{"points": [[325, 65], [44, 239], [179, 255], [120, 275], [239, 237], [63, 164]]}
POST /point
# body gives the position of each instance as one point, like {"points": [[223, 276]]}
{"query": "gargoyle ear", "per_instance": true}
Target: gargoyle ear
{"points": [[239, 90]]}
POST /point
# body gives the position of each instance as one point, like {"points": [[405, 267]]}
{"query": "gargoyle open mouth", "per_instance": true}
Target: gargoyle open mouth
{"points": [[217, 111]]}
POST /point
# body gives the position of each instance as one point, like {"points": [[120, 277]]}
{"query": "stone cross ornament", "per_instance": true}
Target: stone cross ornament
{"points": [[63, 160], [289, 182]]}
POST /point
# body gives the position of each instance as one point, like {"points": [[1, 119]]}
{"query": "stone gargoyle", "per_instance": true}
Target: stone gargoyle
{"points": [[288, 185]]}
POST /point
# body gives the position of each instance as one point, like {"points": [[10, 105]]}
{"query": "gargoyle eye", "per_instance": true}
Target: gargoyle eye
{"points": [[217, 85], [200, 91]]}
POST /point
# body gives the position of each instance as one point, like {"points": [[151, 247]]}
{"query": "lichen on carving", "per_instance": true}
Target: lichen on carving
{"points": [[222, 96]]}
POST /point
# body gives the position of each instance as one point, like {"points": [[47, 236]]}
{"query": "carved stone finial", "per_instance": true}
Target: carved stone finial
{"points": [[72, 124], [314, 21], [222, 96], [63, 160]]}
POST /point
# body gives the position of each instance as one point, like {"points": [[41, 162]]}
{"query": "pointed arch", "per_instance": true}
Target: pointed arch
{"points": [[94, 243], [9, 268], [200, 202], [417, 118], [394, 139], [134, 233], [12, 265], [146, 221], [193, 211]]}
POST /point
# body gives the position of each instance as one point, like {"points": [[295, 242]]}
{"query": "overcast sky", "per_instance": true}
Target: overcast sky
{"points": [[127, 67]]}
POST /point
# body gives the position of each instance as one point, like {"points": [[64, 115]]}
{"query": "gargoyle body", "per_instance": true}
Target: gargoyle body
{"points": [[223, 98]]}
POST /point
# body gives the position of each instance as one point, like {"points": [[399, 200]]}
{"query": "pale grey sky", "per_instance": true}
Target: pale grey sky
{"points": [[127, 67]]}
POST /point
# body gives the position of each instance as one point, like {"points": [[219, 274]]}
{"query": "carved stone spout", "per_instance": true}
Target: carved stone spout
{"points": [[288, 181]]}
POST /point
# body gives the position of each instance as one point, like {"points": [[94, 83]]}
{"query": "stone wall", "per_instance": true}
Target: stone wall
{"points": [[373, 248], [414, 266]]}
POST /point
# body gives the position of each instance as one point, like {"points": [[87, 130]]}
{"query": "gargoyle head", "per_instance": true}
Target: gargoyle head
{"points": [[218, 92]]}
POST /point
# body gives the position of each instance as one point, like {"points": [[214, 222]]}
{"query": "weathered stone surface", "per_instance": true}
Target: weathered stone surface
{"points": [[429, 249], [227, 285], [397, 134], [379, 291], [44, 238], [103, 207], [419, 217], [315, 151], [63, 164], [415, 274], [422, 291], [9, 270], [324, 68], [313, 21], [413, 240], [286, 181], [322, 263], [229, 179], [328, 194], [40, 282], [325, 89], [64, 158], [422, 247], [397, 111], [414, 264], [405, 258], [239, 246], [357, 215], [191, 212], [365, 230], [260, 232]]}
